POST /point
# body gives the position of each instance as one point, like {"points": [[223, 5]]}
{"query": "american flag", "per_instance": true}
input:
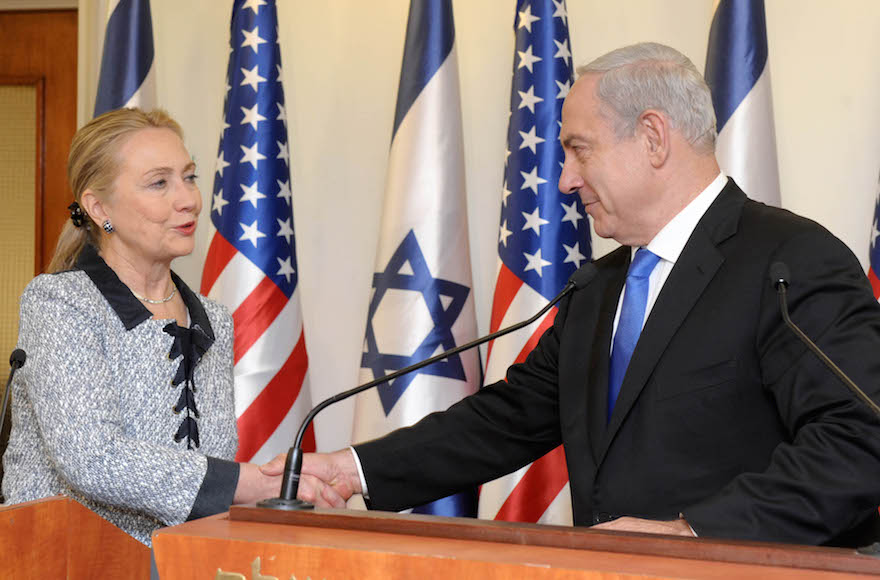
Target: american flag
{"points": [[127, 77], [544, 237], [738, 73], [874, 268], [422, 301], [251, 263]]}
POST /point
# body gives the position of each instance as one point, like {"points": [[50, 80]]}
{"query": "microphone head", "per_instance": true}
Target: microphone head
{"points": [[583, 276], [17, 358], [779, 274]]}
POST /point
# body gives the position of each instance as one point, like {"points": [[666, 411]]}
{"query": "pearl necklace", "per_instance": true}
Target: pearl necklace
{"points": [[159, 301]]}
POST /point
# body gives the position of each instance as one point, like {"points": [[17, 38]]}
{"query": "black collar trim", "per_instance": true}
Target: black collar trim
{"points": [[198, 316], [129, 309]]}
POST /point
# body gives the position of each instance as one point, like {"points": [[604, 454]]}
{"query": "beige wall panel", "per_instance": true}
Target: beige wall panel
{"points": [[18, 118]]}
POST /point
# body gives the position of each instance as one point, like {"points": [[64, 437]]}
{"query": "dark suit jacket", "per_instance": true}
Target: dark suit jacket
{"points": [[723, 414]]}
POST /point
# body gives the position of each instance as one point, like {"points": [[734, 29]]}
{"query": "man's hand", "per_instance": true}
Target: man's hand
{"points": [[275, 466], [329, 479], [677, 527]]}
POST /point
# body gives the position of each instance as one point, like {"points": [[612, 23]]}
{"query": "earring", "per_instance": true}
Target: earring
{"points": [[108, 227]]}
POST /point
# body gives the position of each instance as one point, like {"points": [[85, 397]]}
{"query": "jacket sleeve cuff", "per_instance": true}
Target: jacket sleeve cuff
{"points": [[217, 489]]}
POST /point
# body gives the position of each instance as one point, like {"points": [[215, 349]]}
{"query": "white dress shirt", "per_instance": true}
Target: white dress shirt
{"points": [[670, 241]]}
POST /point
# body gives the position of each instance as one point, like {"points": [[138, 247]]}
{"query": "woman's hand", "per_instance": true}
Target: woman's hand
{"points": [[254, 484]]}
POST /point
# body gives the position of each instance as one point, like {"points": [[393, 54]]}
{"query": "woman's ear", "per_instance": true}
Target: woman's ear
{"points": [[94, 207]]}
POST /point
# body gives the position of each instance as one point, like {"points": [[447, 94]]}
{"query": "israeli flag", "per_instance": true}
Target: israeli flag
{"points": [[422, 303], [127, 66], [738, 75]]}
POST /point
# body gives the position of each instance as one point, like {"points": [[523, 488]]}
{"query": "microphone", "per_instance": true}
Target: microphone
{"points": [[293, 464], [16, 361], [779, 277]]}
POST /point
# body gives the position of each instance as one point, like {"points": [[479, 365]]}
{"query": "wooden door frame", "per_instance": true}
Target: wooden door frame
{"points": [[31, 56]]}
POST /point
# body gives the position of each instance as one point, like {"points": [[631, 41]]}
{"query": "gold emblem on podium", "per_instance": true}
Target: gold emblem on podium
{"points": [[256, 573]]}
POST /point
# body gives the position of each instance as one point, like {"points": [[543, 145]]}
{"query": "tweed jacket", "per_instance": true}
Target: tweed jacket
{"points": [[130, 416]]}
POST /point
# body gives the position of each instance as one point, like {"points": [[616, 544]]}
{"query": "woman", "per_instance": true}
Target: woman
{"points": [[126, 401]]}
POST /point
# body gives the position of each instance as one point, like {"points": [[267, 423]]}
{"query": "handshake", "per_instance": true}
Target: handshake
{"points": [[327, 480]]}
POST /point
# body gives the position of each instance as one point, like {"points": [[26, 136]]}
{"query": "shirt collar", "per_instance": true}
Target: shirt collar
{"points": [[129, 309], [670, 241]]}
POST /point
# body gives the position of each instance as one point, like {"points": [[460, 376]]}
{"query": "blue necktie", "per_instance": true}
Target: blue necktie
{"points": [[632, 316]]}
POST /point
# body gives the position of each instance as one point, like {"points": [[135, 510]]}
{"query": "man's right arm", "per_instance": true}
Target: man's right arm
{"points": [[488, 434]]}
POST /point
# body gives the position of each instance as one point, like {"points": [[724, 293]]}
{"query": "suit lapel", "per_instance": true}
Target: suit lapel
{"points": [[597, 377], [695, 268]]}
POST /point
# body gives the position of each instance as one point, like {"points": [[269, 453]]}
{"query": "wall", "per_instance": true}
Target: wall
{"points": [[341, 64]]}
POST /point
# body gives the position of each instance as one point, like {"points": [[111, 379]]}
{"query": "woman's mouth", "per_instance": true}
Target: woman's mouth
{"points": [[186, 229]]}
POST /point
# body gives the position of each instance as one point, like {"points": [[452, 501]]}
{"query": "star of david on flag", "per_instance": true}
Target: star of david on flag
{"points": [[543, 238], [408, 270], [251, 263], [422, 302]]}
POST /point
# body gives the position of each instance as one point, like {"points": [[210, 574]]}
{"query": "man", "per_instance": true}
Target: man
{"points": [[684, 404]]}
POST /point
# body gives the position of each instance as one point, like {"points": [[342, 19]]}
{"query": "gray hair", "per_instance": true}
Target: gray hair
{"points": [[654, 76]]}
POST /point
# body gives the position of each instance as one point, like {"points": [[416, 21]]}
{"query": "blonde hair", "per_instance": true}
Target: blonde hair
{"points": [[94, 164]]}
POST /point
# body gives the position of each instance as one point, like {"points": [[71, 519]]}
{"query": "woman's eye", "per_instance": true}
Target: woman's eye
{"points": [[158, 184], [191, 178]]}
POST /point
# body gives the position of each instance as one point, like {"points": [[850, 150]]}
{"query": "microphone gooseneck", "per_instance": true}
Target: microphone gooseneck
{"points": [[779, 277], [293, 465]]}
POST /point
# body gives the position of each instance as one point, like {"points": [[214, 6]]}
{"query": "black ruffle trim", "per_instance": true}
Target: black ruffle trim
{"points": [[191, 343]]}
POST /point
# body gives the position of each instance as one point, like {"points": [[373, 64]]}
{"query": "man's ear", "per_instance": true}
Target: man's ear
{"points": [[93, 206], [653, 127]]}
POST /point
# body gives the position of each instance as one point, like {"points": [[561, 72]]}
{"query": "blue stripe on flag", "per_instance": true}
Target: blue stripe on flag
{"points": [[737, 54], [128, 54], [430, 33]]}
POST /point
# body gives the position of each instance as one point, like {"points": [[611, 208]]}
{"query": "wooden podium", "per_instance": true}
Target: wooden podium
{"points": [[57, 537], [257, 544]]}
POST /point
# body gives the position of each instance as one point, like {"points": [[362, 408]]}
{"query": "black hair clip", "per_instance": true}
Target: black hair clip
{"points": [[76, 215]]}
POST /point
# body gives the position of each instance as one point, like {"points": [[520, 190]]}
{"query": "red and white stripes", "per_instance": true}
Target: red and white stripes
{"points": [[271, 383], [537, 492]]}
